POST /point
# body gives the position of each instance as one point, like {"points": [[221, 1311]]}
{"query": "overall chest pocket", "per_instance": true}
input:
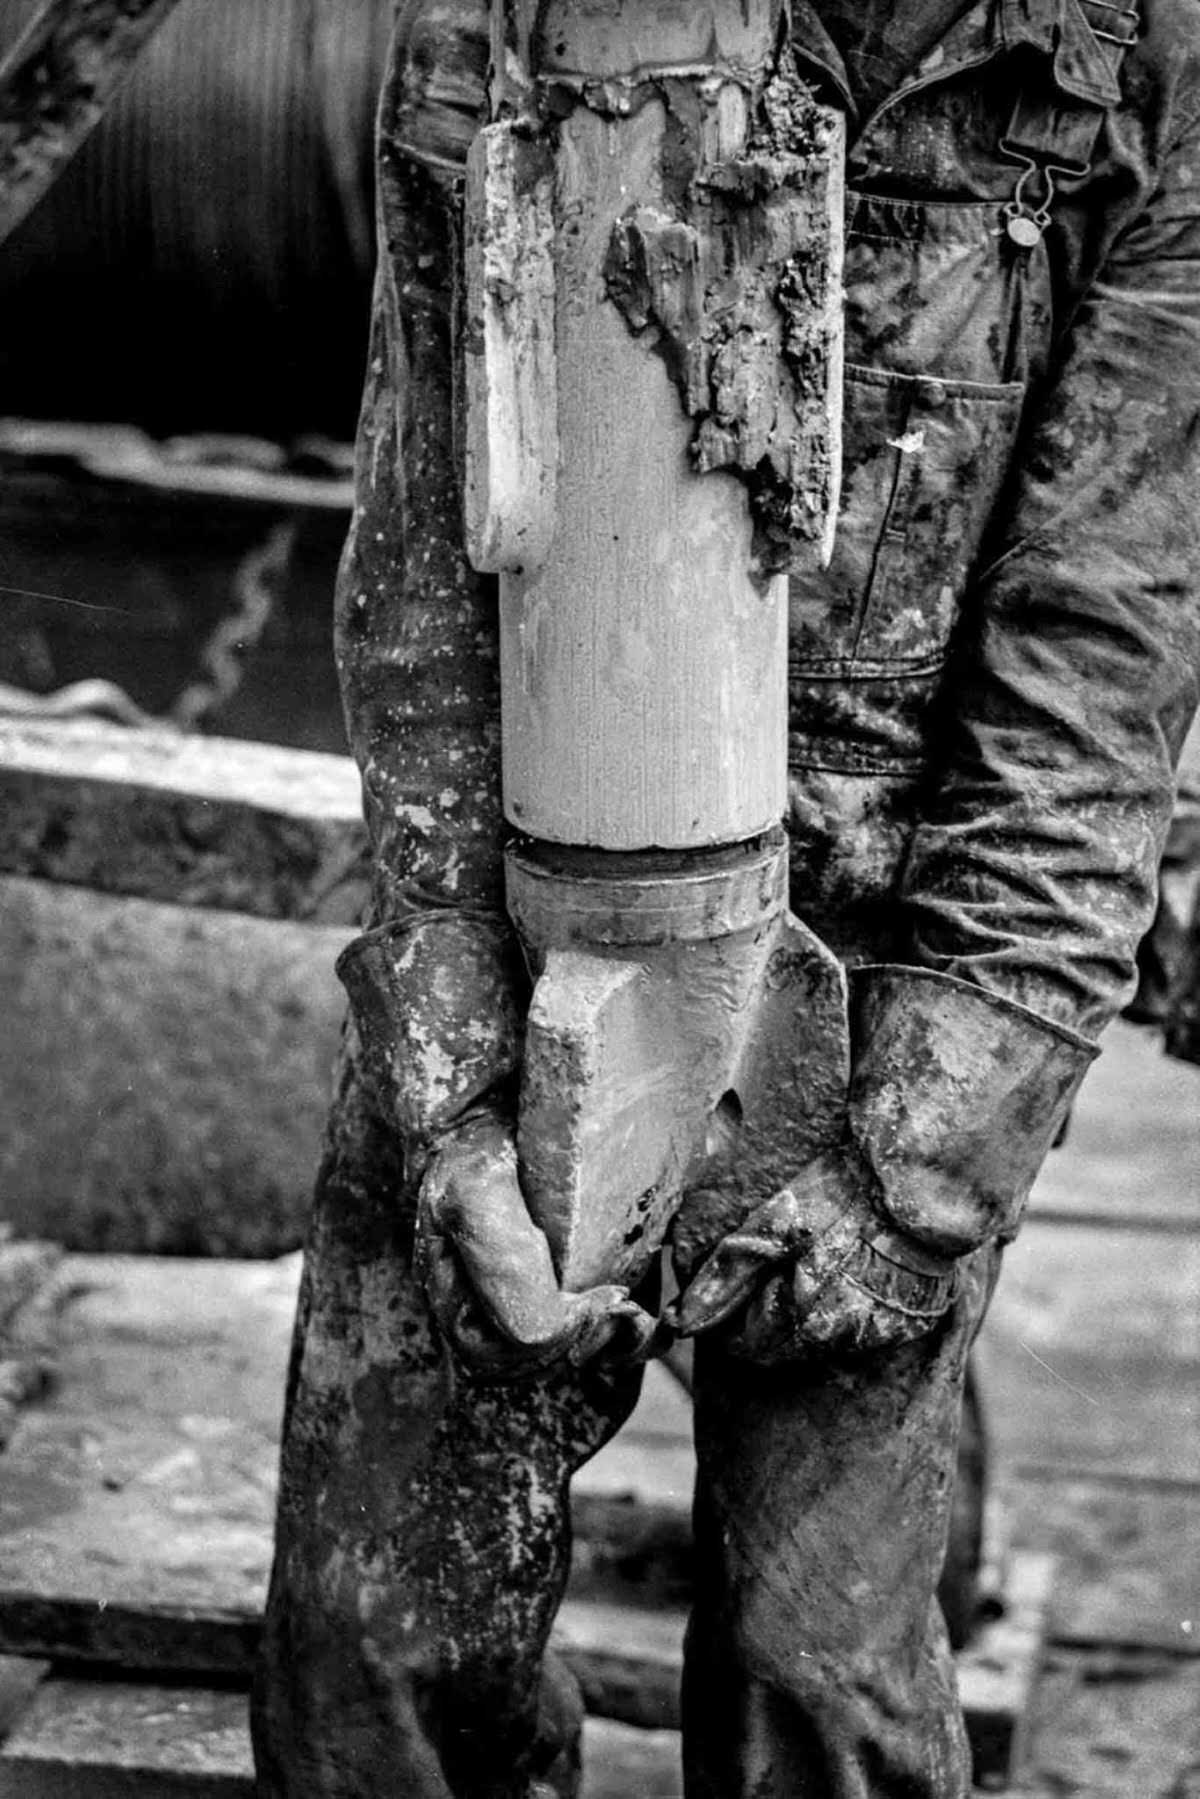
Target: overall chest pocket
{"points": [[924, 462]]}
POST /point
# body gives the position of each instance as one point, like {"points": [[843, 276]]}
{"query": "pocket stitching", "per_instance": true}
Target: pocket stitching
{"points": [[868, 668], [906, 391], [856, 762], [986, 392]]}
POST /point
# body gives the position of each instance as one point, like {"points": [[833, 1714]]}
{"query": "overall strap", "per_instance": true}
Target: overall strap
{"points": [[1055, 134]]}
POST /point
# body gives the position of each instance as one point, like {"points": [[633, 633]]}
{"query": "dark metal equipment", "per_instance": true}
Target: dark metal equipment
{"points": [[204, 261]]}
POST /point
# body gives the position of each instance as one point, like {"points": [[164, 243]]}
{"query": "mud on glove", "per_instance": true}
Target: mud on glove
{"points": [[436, 1001], [955, 1096], [818, 1268]]}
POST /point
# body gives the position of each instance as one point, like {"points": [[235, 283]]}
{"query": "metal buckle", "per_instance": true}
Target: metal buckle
{"points": [[1026, 222], [1125, 12]]}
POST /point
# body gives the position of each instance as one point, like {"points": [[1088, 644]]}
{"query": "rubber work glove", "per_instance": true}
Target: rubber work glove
{"points": [[488, 1272], [955, 1095], [436, 998], [818, 1269]]}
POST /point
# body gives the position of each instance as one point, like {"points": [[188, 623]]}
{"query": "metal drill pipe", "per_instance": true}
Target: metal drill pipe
{"points": [[647, 450]]}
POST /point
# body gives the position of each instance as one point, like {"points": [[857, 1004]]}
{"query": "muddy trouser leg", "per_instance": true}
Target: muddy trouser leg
{"points": [[423, 1534], [816, 1663]]}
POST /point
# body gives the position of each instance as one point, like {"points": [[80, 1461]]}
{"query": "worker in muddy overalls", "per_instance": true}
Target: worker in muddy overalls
{"points": [[989, 686]]}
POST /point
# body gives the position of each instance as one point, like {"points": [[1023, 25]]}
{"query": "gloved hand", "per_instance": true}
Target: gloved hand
{"points": [[955, 1096], [818, 1269], [488, 1272], [436, 1001]]}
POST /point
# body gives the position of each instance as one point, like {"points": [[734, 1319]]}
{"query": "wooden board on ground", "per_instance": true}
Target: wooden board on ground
{"points": [[1128, 1556], [110, 1738], [163, 1435], [20, 1678], [115, 1740], [998, 1671], [165, 1069], [1107, 1725], [147, 1481], [627, 1658], [197, 821], [1133, 1146], [136, 1505], [136, 1512], [31, 1300], [1091, 1352]]}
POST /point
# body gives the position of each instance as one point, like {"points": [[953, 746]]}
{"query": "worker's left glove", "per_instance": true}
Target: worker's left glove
{"points": [[955, 1096], [818, 1267]]}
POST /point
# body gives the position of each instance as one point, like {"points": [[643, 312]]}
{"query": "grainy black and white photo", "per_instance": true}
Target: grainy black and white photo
{"points": [[599, 899]]}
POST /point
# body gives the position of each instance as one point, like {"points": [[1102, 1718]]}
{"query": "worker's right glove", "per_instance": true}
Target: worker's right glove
{"points": [[436, 998], [488, 1273]]}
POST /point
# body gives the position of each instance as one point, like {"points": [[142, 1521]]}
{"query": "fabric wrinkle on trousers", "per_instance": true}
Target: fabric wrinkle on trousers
{"points": [[817, 1664], [423, 1537], [423, 1546]]}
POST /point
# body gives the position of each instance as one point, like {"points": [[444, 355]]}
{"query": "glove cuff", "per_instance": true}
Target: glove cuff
{"points": [[956, 1095], [438, 1002], [865, 1245], [897, 1272]]}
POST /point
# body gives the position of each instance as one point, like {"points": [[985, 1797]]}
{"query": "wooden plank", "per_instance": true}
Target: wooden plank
{"points": [[1102, 1726], [1106, 1725], [1154, 1224], [1133, 1145], [998, 1672], [136, 1513], [620, 1762], [26, 1265], [135, 1519], [137, 1504], [632, 1503], [627, 1659], [1128, 1558], [165, 1070], [123, 1737], [20, 1677], [154, 1341], [163, 1435], [1091, 1353], [30, 1300], [115, 1740], [198, 821]]}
